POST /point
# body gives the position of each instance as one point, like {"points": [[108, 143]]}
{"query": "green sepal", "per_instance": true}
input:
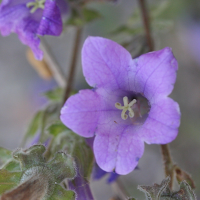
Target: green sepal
{"points": [[8, 180], [62, 194]]}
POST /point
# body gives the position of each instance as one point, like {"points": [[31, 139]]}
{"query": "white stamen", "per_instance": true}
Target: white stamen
{"points": [[126, 107], [35, 5]]}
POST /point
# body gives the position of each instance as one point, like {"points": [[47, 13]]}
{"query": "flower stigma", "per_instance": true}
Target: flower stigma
{"points": [[35, 5], [127, 107]]}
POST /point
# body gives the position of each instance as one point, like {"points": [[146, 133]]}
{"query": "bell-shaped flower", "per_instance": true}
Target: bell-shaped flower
{"points": [[31, 18], [128, 105]]}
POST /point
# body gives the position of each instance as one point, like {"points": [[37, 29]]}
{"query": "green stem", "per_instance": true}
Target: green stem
{"points": [[73, 65], [146, 22]]}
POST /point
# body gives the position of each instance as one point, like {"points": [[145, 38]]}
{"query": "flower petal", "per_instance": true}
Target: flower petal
{"points": [[118, 149], [51, 22], [29, 36], [80, 112], [105, 63], [162, 124], [130, 150], [11, 12], [155, 74]]}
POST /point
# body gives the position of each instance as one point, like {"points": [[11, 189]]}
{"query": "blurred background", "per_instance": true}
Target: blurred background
{"points": [[174, 23]]}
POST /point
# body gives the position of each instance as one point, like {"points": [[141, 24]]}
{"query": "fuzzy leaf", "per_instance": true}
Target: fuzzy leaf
{"points": [[37, 178], [185, 192], [63, 166], [75, 146], [62, 194], [189, 194], [8, 180], [154, 192], [30, 157]]}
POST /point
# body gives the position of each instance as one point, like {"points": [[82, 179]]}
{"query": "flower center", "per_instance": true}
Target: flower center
{"points": [[35, 5], [127, 107]]}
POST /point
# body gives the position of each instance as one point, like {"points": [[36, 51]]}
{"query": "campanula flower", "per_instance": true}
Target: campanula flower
{"points": [[31, 18], [128, 105]]}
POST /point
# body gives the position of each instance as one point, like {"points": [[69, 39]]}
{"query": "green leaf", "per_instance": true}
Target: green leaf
{"points": [[8, 180], [36, 172], [81, 16], [12, 166], [5, 155], [90, 15], [55, 95], [154, 192], [185, 192], [51, 115], [30, 157], [62, 194], [34, 126], [56, 128], [42, 120], [62, 166], [189, 193], [75, 146]]}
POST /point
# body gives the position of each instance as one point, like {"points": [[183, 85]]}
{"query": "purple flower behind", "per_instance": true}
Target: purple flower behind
{"points": [[128, 105], [98, 173], [30, 18]]}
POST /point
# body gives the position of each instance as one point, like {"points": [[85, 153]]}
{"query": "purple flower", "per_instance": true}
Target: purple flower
{"points": [[98, 173], [30, 18], [128, 105]]}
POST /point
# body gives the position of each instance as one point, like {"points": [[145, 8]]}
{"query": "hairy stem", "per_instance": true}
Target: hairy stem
{"points": [[55, 69], [73, 64], [168, 163], [146, 22]]}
